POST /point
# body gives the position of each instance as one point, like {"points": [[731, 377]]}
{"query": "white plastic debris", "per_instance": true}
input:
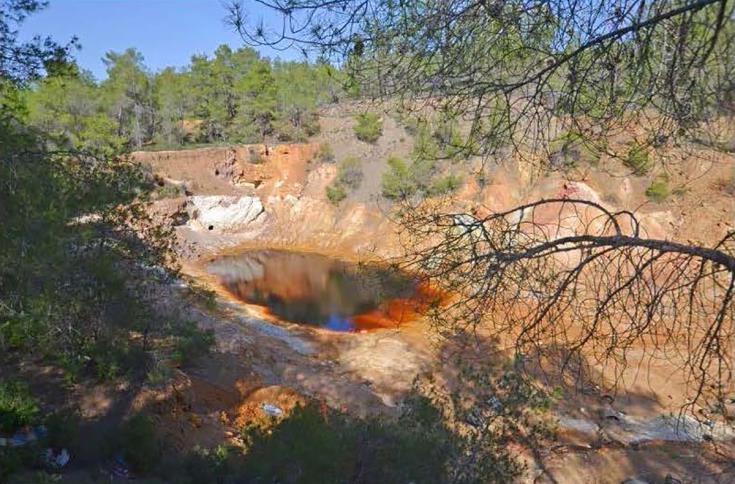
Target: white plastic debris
{"points": [[271, 409]]}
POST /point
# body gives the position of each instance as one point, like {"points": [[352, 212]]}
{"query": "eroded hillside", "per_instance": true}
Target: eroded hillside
{"points": [[224, 200]]}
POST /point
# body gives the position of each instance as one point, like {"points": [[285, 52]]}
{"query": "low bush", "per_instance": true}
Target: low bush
{"points": [[192, 343], [349, 172], [397, 182], [18, 408], [349, 177], [658, 190], [443, 185], [368, 127], [336, 192], [638, 159], [324, 153], [403, 180], [167, 190], [138, 443], [322, 445]]}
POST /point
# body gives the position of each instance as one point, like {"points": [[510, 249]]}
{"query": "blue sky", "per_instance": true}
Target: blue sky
{"points": [[167, 32]]}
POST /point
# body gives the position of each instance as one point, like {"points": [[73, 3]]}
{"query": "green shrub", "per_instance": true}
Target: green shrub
{"points": [[369, 127], [658, 190], [397, 182], [317, 445], [443, 185], [192, 343], [18, 408], [325, 154], [425, 144], [411, 125], [336, 192], [638, 159], [449, 140], [168, 190], [423, 170], [349, 172], [349, 177], [139, 444]]}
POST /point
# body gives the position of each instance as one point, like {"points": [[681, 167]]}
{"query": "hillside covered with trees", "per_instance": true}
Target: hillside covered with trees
{"points": [[236, 96]]}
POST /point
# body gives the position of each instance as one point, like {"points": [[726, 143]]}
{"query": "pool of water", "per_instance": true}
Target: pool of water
{"points": [[321, 291]]}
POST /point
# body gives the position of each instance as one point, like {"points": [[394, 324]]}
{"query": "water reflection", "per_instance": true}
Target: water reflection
{"points": [[318, 290]]}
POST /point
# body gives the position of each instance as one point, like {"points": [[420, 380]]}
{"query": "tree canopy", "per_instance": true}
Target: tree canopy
{"points": [[523, 71], [234, 96]]}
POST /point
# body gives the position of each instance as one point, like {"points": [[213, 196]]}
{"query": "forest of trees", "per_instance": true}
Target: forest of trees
{"points": [[236, 96]]}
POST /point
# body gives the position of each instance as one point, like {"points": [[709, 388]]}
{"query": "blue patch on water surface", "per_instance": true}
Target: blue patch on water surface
{"points": [[338, 323]]}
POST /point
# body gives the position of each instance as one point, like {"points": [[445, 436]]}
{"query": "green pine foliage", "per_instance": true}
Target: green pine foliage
{"points": [[443, 185], [235, 96], [403, 180], [570, 148], [335, 192], [138, 443], [398, 181], [18, 408], [368, 127], [659, 190], [76, 285], [638, 159]]}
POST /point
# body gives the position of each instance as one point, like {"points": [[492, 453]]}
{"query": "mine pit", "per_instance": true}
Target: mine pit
{"points": [[323, 292]]}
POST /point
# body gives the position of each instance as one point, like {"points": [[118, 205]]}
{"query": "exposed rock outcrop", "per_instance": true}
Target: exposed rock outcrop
{"points": [[223, 213]]}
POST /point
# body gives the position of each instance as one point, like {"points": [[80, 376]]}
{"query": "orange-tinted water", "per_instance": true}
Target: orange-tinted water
{"points": [[321, 291]]}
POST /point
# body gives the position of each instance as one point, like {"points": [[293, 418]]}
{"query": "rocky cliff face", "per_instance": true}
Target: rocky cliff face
{"points": [[223, 213], [276, 200], [275, 195]]}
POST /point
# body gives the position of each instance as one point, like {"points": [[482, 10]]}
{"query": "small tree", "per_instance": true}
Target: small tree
{"points": [[397, 182], [369, 127]]}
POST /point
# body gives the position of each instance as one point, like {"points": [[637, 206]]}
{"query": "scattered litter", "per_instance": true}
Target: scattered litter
{"points": [[473, 420], [119, 469], [54, 459], [271, 409], [495, 403], [609, 413], [24, 436]]}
